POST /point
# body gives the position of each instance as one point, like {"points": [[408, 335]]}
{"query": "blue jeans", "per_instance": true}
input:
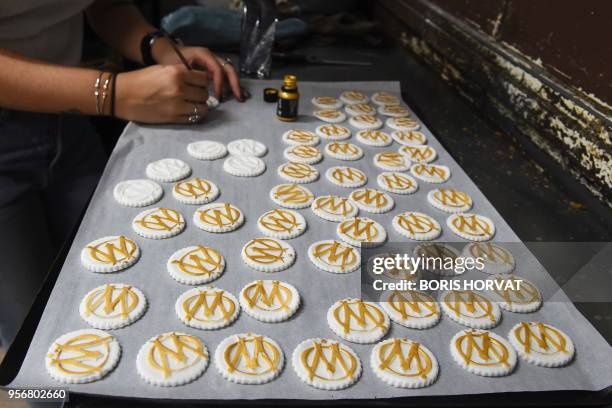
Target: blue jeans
{"points": [[49, 166]]}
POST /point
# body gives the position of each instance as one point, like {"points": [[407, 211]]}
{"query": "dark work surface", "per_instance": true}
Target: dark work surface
{"points": [[536, 204]]}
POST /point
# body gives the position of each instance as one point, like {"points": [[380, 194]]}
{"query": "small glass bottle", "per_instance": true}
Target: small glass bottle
{"points": [[288, 98]]}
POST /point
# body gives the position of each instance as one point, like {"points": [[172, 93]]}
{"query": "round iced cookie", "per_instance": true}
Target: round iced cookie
{"points": [[541, 344], [483, 353], [137, 193], [345, 176], [474, 227], [385, 98], [218, 217], [268, 254], [376, 138], [291, 195], [343, 151], [357, 321], [412, 309], [296, 137], [365, 122], [353, 97], [361, 230], [282, 224], [207, 308], [303, 154], [394, 111], [334, 256], [168, 170], [158, 223], [172, 359], [334, 208], [110, 254], [409, 137], [419, 154], [98, 353], [398, 183], [517, 294], [326, 102], [416, 225], [195, 191], [249, 358], [391, 161], [470, 308], [326, 364], [206, 150], [449, 200], [195, 265], [269, 301], [402, 124], [247, 147], [431, 173], [244, 166], [496, 259], [333, 132], [372, 200], [441, 254], [112, 306], [330, 115], [360, 109], [298, 172], [404, 363]]}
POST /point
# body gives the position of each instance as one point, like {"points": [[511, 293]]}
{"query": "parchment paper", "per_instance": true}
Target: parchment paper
{"points": [[139, 145]]}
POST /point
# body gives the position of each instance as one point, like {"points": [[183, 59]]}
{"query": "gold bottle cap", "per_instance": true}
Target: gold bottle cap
{"points": [[290, 81]]}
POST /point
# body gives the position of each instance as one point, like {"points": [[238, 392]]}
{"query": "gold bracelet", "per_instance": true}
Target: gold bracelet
{"points": [[97, 91], [104, 93]]}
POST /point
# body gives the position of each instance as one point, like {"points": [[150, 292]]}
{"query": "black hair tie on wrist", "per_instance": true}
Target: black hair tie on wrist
{"points": [[113, 94]]}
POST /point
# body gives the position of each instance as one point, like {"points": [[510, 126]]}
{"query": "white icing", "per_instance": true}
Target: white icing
{"points": [[247, 147], [168, 170], [137, 193], [206, 150], [244, 166]]}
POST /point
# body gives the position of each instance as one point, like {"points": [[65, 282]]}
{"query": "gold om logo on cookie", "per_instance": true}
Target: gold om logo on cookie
{"points": [[370, 197], [334, 205], [360, 229], [452, 198], [298, 170], [193, 188], [491, 253], [265, 251], [113, 250], [300, 136], [202, 260], [280, 221], [412, 360], [209, 305], [391, 161], [162, 219], [173, 352], [292, 194], [344, 175], [472, 226], [111, 301], [540, 338], [363, 108], [82, 354], [489, 350], [411, 137], [419, 154], [405, 122], [343, 148], [397, 181], [355, 315], [415, 305], [470, 304], [221, 215], [252, 355], [329, 113], [328, 360], [336, 255], [326, 100], [305, 152], [333, 130], [522, 294], [431, 172], [278, 297]]}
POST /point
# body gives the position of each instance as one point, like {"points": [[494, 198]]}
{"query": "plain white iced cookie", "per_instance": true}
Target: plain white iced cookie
{"points": [[483, 353], [110, 254], [137, 193], [517, 295], [343, 151], [291, 195], [99, 354], [333, 132], [112, 306], [416, 225], [168, 170], [206, 150], [385, 98], [357, 321], [404, 363], [207, 308], [470, 308], [282, 224], [296, 137], [345, 176], [268, 254], [326, 364], [372, 200], [249, 358], [303, 154], [334, 208], [247, 147], [376, 138], [441, 254], [334, 256], [360, 109], [541, 344], [171, 359], [412, 309], [474, 227], [195, 265], [353, 97], [326, 102], [195, 191], [431, 173], [402, 124], [158, 223], [496, 259], [409, 137], [398, 183], [269, 301], [330, 115], [298, 172], [419, 154], [391, 161], [244, 166], [449, 200], [365, 122], [218, 217], [361, 230], [394, 111]]}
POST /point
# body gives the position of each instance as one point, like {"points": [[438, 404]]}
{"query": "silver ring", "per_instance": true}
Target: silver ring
{"points": [[225, 62], [195, 117]]}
